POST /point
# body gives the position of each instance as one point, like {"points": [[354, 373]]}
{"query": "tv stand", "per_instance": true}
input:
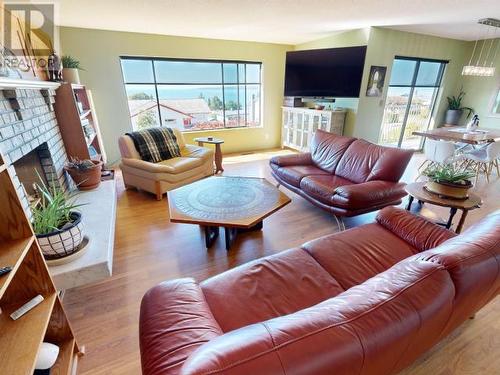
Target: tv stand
{"points": [[300, 124]]}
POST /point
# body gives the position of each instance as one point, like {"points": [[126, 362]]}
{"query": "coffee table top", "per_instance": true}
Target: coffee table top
{"points": [[416, 190], [239, 202]]}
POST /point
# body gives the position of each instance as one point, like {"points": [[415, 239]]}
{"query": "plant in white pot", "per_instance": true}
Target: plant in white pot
{"points": [[448, 181], [71, 66], [57, 224], [455, 109]]}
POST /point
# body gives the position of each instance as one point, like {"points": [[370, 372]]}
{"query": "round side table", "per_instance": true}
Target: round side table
{"points": [[218, 153], [417, 191]]}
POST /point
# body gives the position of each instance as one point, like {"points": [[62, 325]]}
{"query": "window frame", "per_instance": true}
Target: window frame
{"points": [[413, 85], [222, 84]]}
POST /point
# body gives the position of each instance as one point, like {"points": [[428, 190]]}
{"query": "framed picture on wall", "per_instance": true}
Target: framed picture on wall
{"points": [[376, 80], [495, 102]]}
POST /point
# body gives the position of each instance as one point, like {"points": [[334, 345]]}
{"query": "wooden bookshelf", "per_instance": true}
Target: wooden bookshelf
{"points": [[20, 339], [77, 121]]}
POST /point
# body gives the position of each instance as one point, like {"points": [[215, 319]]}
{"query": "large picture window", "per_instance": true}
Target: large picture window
{"points": [[192, 94]]}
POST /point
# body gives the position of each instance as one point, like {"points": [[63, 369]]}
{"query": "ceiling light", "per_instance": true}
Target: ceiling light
{"points": [[484, 69]]}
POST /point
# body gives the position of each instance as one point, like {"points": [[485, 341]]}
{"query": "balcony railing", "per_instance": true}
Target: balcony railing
{"points": [[392, 123]]}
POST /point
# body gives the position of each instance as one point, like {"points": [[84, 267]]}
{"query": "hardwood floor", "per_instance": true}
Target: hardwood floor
{"points": [[149, 249]]}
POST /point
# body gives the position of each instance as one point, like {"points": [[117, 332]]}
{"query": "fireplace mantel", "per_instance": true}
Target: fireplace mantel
{"points": [[13, 83]]}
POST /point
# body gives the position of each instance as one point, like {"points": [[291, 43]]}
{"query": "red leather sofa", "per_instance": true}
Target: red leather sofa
{"points": [[369, 300], [344, 175]]}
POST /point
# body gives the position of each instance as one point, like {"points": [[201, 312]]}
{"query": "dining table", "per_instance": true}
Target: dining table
{"points": [[477, 136]]}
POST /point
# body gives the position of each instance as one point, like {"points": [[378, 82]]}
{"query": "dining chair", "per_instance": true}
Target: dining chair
{"points": [[437, 152], [484, 159]]}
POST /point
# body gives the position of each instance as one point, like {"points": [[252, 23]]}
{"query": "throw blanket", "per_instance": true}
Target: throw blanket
{"points": [[156, 144]]}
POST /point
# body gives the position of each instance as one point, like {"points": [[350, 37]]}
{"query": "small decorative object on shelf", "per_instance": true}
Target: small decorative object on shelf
{"points": [[71, 66], [448, 181], [27, 307], [57, 225], [85, 173], [47, 356], [455, 109], [54, 67]]}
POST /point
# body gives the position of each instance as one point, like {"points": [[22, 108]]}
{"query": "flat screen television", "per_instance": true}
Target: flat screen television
{"points": [[331, 72]]}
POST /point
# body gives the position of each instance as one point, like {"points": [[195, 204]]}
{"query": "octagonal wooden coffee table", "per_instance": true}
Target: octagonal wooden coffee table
{"points": [[237, 204]]}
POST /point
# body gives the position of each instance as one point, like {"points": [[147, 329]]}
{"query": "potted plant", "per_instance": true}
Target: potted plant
{"points": [[85, 173], [57, 224], [448, 181], [71, 66], [455, 109]]}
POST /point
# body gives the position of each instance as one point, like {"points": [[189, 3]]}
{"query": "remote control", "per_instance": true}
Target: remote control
{"points": [[4, 270], [26, 307]]}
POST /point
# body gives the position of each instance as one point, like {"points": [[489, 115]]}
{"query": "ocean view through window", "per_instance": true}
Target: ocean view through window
{"points": [[192, 94]]}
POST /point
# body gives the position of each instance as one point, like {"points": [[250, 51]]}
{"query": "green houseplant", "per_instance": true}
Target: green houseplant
{"points": [[71, 66], [448, 180], [85, 173], [455, 109], [57, 224]]}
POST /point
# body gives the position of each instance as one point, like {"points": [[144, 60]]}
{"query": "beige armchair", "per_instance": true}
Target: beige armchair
{"points": [[194, 163]]}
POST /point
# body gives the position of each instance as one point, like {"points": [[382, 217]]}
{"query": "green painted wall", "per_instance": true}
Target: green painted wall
{"points": [[383, 46], [358, 37], [99, 52], [479, 90]]}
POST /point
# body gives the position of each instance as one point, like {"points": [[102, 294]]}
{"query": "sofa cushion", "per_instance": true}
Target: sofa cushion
{"points": [[327, 149], [358, 160], [355, 255], [322, 187], [368, 194], [293, 175], [273, 286]]}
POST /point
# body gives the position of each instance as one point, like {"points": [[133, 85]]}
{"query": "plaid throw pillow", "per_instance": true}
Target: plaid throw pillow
{"points": [[156, 144]]}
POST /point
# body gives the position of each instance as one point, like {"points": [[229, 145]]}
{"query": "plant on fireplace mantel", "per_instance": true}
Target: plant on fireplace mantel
{"points": [[71, 66], [57, 224], [85, 173]]}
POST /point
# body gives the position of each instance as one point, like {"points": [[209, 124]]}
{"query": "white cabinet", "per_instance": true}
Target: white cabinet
{"points": [[300, 124]]}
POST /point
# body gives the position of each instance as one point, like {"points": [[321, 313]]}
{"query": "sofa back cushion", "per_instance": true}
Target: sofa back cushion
{"points": [[358, 160], [364, 161], [327, 149], [391, 165]]}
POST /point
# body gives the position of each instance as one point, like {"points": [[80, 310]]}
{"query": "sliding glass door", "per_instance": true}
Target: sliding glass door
{"points": [[411, 98]]}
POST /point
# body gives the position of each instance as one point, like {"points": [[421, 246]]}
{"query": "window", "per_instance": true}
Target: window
{"points": [[192, 94], [411, 98]]}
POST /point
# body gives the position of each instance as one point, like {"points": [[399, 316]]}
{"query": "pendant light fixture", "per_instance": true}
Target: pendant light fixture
{"points": [[482, 68]]}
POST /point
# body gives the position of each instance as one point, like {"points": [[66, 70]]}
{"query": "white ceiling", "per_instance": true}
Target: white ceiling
{"points": [[277, 21]]}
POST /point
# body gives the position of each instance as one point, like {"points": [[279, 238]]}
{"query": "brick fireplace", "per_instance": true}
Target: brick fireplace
{"points": [[30, 139]]}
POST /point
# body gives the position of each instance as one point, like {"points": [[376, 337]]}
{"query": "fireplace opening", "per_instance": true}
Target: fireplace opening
{"points": [[35, 165]]}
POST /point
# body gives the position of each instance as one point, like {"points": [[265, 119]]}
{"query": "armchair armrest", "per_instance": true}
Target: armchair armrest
{"points": [[295, 159], [417, 231], [369, 193], [174, 321]]}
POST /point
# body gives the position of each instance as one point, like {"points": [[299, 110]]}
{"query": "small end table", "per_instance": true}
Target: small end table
{"points": [[417, 191], [218, 153]]}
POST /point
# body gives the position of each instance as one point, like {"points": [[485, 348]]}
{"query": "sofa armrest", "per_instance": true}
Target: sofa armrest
{"points": [[417, 231], [174, 321], [294, 159], [192, 151]]}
